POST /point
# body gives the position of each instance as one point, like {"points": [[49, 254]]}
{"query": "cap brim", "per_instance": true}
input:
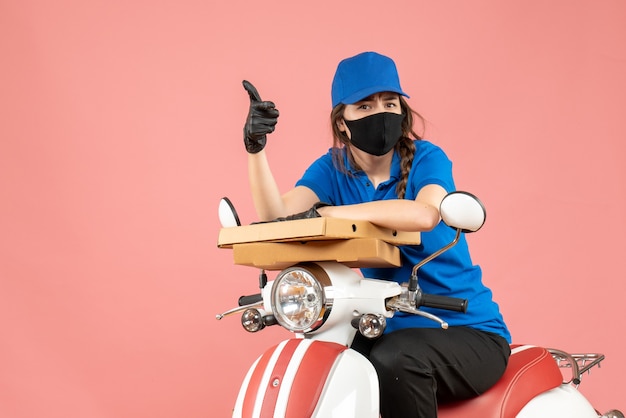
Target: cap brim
{"points": [[362, 94]]}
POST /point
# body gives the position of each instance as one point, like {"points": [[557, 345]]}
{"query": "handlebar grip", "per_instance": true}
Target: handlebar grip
{"points": [[249, 300], [443, 302]]}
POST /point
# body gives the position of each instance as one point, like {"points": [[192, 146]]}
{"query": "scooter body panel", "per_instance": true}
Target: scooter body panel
{"points": [[351, 390], [563, 401], [299, 378]]}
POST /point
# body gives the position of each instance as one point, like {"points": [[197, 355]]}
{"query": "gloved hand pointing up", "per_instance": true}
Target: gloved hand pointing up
{"points": [[261, 120]]}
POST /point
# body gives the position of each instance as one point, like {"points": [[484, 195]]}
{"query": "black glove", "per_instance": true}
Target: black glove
{"points": [[261, 120], [307, 214]]}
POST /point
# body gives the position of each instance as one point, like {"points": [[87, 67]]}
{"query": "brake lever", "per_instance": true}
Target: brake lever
{"points": [[238, 309], [396, 304]]}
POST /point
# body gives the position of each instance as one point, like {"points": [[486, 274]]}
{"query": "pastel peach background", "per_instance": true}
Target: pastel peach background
{"points": [[120, 128]]}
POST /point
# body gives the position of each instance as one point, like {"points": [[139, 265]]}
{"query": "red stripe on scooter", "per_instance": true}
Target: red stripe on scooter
{"points": [[249, 400], [278, 375], [311, 378]]}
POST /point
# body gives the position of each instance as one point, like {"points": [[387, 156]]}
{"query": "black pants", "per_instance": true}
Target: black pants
{"points": [[421, 367]]}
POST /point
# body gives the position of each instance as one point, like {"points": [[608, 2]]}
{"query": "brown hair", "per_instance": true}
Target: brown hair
{"points": [[405, 145]]}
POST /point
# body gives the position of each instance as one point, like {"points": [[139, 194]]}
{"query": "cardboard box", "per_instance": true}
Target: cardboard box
{"points": [[313, 230], [358, 252]]}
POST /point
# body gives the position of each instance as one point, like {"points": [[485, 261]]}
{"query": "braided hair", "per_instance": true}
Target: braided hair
{"points": [[405, 146]]}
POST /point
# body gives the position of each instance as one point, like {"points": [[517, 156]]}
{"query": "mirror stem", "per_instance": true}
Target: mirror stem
{"points": [[430, 257]]}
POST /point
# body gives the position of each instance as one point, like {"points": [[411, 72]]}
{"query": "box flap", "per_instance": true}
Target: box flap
{"points": [[312, 230]]}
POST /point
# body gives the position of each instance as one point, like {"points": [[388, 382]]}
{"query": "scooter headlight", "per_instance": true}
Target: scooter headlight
{"points": [[298, 299]]}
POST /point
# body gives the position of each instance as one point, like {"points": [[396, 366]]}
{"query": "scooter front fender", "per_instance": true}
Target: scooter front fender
{"points": [[305, 378]]}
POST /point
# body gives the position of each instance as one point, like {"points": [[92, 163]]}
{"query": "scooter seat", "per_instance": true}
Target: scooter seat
{"points": [[531, 370]]}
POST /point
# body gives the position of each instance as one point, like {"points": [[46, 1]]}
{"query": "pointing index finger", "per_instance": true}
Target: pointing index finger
{"points": [[252, 91]]}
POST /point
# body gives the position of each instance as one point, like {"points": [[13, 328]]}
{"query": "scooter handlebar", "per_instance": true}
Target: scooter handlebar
{"points": [[443, 302], [249, 300]]}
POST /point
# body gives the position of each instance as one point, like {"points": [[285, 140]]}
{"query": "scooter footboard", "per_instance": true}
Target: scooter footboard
{"points": [[304, 378]]}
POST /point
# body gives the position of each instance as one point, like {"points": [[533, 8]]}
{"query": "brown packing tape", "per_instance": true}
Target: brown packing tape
{"points": [[363, 252]]}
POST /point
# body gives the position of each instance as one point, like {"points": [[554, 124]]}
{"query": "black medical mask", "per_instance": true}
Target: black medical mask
{"points": [[376, 134]]}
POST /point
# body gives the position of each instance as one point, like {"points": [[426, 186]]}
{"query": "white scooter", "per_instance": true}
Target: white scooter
{"points": [[324, 303]]}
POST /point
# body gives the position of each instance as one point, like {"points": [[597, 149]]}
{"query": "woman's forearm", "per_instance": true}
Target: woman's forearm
{"points": [[265, 194], [398, 214]]}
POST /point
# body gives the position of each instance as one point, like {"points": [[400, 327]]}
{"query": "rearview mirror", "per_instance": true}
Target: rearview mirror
{"points": [[462, 210], [227, 214]]}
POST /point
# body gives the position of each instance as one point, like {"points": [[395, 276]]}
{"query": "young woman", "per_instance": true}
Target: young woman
{"points": [[380, 170]]}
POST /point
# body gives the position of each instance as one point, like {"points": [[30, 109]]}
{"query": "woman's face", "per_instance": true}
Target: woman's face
{"points": [[376, 103]]}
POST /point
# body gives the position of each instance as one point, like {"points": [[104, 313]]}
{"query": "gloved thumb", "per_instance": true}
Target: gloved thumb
{"points": [[252, 91]]}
